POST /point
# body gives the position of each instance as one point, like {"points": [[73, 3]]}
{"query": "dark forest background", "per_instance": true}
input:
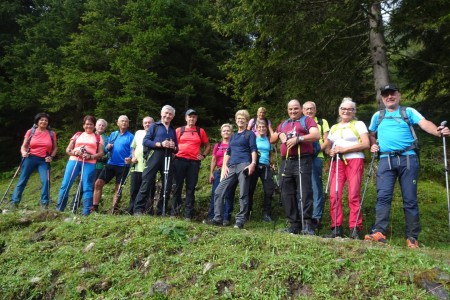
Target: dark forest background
{"points": [[111, 57]]}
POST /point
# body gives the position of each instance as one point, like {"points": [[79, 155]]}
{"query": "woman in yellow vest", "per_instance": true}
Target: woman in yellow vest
{"points": [[346, 142]]}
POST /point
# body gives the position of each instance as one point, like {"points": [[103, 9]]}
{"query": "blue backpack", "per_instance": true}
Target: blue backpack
{"points": [[302, 120]]}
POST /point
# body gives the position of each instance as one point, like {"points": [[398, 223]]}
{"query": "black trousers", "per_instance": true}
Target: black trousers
{"points": [[291, 194], [265, 174], [155, 163]]}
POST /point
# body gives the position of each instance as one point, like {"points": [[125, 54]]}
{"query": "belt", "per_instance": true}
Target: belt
{"points": [[295, 157]]}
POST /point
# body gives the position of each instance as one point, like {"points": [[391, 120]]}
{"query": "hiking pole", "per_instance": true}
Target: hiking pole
{"points": [[275, 176], [167, 155], [14, 177], [369, 175], [48, 179], [337, 193], [329, 174], [300, 191], [123, 182], [80, 186], [446, 173], [68, 184]]}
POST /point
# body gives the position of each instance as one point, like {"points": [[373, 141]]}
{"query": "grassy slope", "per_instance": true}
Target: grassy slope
{"points": [[42, 255]]}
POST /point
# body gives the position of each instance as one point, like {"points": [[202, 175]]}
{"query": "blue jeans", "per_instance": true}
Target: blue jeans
{"points": [[317, 186], [29, 164], [72, 170], [389, 169], [229, 198]]}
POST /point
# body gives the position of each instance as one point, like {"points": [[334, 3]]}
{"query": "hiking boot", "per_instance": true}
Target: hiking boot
{"points": [[226, 223], [94, 208], [212, 222], [412, 243], [376, 237], [308, 230], [355, 233], [267, 218], [316, 225], [334, 233], [13, 206], [238, 225]]}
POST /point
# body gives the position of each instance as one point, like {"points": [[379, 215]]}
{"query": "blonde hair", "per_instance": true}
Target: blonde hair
{"points": [[226, 125], [244, 113]]}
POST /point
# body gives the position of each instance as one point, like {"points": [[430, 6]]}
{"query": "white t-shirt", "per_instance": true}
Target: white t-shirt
{"points": [[343, 135]]}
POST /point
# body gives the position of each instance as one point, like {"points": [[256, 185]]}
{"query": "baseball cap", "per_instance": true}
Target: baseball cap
{"points": [[389, 87], [191, 112]]}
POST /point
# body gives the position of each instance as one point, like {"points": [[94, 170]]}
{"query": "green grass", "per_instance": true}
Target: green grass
{"points": [[45, 255]]}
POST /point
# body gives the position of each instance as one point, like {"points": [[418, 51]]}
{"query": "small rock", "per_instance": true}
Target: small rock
{"points": [[160, 287], [89, 247], [208, 266], [35, 279]]}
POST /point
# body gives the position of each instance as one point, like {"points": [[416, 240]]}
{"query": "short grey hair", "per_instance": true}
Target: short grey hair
{"points": [[168, 107], [102, 121]]}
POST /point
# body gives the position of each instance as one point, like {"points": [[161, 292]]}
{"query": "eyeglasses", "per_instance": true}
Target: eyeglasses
{"points": [[351, 109], [308, 108]]}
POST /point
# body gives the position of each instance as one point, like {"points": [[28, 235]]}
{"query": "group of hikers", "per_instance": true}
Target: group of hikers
{"points": [[241, 158]]}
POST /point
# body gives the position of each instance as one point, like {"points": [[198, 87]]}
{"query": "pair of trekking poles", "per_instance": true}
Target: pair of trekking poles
{"points": [[369, 175]]}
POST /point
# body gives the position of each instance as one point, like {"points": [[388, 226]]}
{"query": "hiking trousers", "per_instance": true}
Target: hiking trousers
{"points": [[389, 169], [29, 164], [352, 173], [317, 186]]}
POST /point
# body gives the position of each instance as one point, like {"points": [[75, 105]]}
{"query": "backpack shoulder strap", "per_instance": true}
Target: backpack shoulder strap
{"points": [[320, 124], [355, 132], [32, 132], [183, 128], [303, 124], [198, 131], [380, 118], [407, 121]]}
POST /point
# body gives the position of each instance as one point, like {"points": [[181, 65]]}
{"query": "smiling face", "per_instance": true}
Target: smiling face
{"points": [[42, 123], [261, 114], [346, 111], [146, 123], [241, 121], [262, 129], [309, 109], [100, 127], [225, 132], [294, 110], [167, 116], [391, 99], [88, 126]]}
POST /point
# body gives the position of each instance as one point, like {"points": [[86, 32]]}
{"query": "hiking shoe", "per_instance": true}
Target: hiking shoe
{"points": [[226, 223], [267, 218], [238, 226], [94, 208], [13, 206], [316, 224], [376, 237], [308, 230], [412, 243], [212, 222], [334, 233], [355, 233]]}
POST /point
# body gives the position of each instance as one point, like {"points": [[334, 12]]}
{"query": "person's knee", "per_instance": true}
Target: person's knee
{"points": [[99, 183]]}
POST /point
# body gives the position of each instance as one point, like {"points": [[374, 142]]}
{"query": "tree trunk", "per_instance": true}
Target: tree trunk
{"points": [[378, 51]]}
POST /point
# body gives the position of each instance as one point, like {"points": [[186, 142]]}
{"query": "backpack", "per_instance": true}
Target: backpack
{"points": [[352, 128], [77, 135], [146, 149], [302, 120], [183, 128], [33, 131], [415, 145]]}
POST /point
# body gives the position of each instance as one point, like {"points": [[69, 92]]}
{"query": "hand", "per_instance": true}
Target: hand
{"points": [[443, 131], [224, 172], [291, 142], [109, 146], [251, 168], [85, 155], [128, 160], [375, 148], [200, 157], [283, 138], [25, 154], [48, 159], [134, 160], [211, 178]]}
